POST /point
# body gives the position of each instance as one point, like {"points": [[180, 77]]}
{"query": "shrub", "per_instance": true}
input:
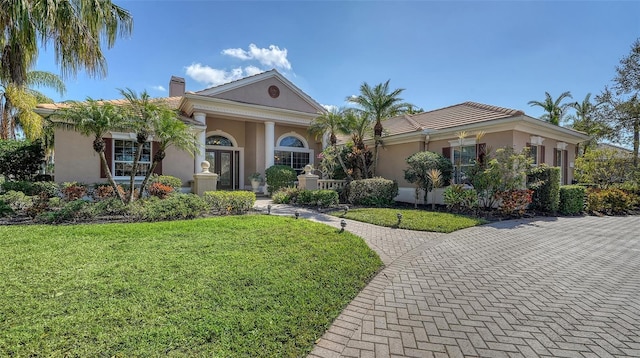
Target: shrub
{"points": [[22, 186], [372, 192], [175, 183], [571, 199], [609, 201], [5, 209], [20, 160], [105, 191], [227, 202], [73, 191], [72, 211], [17, 200], [514, 201], [603, 167], [176, 206], [285, 196], [318, 197], [459, 199], [110, 207], [48, 189], [420, 166], [545, 183], [160, 190], [279, 176]]}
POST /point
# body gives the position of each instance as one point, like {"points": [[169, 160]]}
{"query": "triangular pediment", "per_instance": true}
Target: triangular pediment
{"points": [[269, 89]]}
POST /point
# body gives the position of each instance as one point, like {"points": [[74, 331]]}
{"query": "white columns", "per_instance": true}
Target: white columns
{"points": [[269, 144], [202, 138]]}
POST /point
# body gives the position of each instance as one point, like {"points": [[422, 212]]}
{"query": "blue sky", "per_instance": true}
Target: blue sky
{"points": [[503, 53]]}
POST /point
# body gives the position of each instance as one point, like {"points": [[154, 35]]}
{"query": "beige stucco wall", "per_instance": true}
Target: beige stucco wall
{"points": [[233, 127], [77, 161], [257, 93], [179, 164], [392, 161]]}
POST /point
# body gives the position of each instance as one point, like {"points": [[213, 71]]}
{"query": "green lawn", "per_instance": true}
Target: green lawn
{"points": [[230, 286], [412, 219]]}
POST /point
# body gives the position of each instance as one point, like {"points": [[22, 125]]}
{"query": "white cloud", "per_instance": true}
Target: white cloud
{"points": [[159, 88], [330, 107], [272, 56], [252, 70], [212, 76]]}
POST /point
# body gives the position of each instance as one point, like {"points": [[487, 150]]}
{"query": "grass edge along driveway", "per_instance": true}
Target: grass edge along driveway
{"points": [[253, 285], [412, 219]]}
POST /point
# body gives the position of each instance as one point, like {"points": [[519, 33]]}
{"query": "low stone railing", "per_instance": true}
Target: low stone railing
{"points": [[330, 184]]}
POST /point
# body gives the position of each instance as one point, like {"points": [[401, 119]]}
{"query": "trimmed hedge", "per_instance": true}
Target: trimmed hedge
{"points": [[176, 206], [609, 201], [571, 199], [372, 192], [227, 202], [545, 183], [280, 176], [285, 196], [318, 197]]}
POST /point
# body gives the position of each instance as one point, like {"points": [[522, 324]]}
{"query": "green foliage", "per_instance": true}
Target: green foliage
{"points": [[285, 195], [280, 176], [76, 210], [572, 199], [5, 209], [110, 207], [20, 160], [609, 201], [603, 167], [175, 183], [460, 199], [420, 166], [17, 200], [545, 183], [515, 201], [228, 202], [372, 192], [177, 206], [22, 186], [234, 286], [48, 189], [318, 197], [419, 220]]}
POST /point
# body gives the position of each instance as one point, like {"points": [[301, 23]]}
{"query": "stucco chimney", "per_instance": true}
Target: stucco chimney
{"points": [[176, 86]]}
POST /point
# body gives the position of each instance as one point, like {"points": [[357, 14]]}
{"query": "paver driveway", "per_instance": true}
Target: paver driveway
{"points": [[564, 287]]}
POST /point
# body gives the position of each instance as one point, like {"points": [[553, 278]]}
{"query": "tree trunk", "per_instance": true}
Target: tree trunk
{"points": [[344, 167], [157, 158], [134, 171], [636, 141], [105, 167], [377, 134]]}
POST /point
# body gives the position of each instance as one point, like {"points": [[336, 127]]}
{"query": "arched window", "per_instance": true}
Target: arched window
{"points": [[219, 140], [292, 150], [291, 141]]}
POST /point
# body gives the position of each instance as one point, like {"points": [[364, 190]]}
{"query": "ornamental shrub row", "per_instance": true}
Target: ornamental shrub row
{"points": [[571, 199], [230, 202], [372, 192]]}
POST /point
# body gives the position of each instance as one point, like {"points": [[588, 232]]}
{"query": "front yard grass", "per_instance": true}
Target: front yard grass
{"points": [[228, 286], [412, 219]]}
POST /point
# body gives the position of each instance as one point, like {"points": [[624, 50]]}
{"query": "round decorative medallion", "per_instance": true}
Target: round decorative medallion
{"points": [[274, 91]]}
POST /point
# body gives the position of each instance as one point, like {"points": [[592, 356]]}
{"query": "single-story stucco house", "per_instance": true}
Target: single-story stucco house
{"points": [[255, 122]]}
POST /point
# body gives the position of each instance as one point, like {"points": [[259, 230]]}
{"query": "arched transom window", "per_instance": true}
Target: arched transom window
{"points": [[219, 140], [291, 141]]}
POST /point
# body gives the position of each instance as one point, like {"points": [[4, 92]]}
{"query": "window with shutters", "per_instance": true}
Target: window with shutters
{"points": [[124, 154]]}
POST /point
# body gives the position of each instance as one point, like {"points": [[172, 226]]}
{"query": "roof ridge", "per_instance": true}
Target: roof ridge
{"points": [[412, 121], [493, 108]]}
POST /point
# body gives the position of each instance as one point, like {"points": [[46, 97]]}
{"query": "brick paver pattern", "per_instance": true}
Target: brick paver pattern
{"points": [[557, 287]]}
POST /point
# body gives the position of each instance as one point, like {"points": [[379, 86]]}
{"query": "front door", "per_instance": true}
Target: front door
{"points": [[224, 163]]}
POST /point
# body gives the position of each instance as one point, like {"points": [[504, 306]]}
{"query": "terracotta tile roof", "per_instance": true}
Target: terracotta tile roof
{"points": [[452, 116], [173, 103]]}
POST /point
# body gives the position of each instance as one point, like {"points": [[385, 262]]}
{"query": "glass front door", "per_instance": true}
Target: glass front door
{"points": [[225, 164]]}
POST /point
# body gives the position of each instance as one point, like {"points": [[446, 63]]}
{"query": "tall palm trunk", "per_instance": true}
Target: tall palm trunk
{"points": [[141, 140], [4, 134], [377, 135], [99, 147], [157, 158], [636, 141]]}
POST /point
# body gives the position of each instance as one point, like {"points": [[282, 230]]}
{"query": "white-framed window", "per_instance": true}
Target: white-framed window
{"points": [[292, 150], [124, 151], [463, 159], [533, 152]]}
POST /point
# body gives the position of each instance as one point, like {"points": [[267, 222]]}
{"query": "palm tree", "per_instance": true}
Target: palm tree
{"points": [[169, 130], [17, 104], [94, 118], [587, 121], [359, 124], [380, 103], [555, 109], [76, 29], [332, 122]]}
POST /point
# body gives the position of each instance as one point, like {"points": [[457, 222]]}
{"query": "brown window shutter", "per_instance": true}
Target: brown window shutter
{"points": [[108, 153], [446, 152], [541, 159], [555, 157], [482, 152], [154, 148]]}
